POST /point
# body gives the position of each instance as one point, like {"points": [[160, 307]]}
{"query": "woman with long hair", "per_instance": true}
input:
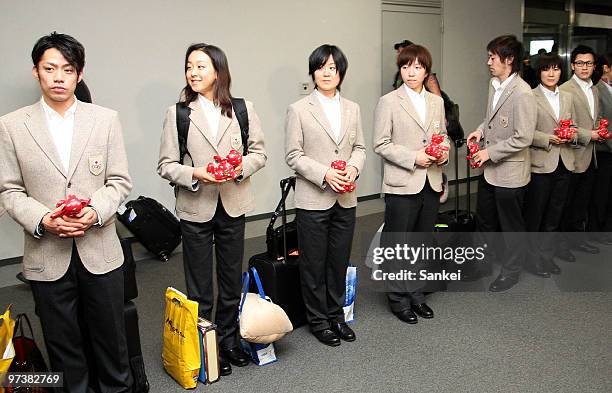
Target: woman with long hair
{"points": [[212, 210]]}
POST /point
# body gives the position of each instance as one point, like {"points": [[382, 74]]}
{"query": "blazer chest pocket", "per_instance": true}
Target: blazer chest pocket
{"points": [[96, 164], [352, 137], [236, 141]]}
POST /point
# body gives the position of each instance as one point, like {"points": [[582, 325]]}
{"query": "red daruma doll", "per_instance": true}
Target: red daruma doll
{"points": [[72, 206], [341, 166], [603, 128]]}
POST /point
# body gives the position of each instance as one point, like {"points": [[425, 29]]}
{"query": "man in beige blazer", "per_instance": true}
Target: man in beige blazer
{"points": [[586, 105], [552, 162], [600, 215], [506, 134], [56, 147], [321, 128]]}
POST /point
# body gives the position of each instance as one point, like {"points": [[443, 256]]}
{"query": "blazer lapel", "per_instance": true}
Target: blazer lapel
{"points": [[224, 123], [38, 128], [83, 125], [346, 115], [317, 112], [581, 96], [506, 93], [544, 101], [406, 103], [199, 120], [565, 111], [429, 114]]}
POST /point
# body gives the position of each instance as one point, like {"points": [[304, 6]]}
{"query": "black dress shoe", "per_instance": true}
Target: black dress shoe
{"points": [[553, 268], [225, 368], [343, 331], [503, 282], [540, 268], [585, 247], [422, 310], [327, 337], [407, 316], [566, 255], [236, 356]]}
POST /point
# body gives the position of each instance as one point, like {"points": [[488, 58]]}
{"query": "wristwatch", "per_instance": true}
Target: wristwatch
{"points": [[40, 229]]}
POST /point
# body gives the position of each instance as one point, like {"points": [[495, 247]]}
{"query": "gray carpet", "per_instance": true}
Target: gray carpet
{"points": [[535, 338]]}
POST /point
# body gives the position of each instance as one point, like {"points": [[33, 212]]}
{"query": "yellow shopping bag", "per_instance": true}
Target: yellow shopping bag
{"points": [[7, 326], [181, 352]]}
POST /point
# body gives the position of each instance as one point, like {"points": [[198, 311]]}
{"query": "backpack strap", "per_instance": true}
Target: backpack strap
{"points": [[182, 127], [242, 115]]}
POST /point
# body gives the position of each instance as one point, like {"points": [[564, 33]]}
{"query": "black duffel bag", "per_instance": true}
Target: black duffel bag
{"points": [[282, 241]]}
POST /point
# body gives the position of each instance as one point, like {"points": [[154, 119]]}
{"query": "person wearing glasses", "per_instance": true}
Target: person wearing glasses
{"points": [[321, 128], [600, 215], [586, 106]]}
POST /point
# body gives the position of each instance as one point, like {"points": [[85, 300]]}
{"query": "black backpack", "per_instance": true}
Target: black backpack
{"points": [[182, 125]]}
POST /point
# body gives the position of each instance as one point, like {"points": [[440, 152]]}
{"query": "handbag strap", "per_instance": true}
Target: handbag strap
{"points": [[19, 326], [246, 279]]}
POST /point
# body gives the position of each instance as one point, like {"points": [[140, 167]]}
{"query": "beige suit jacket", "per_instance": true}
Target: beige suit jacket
{"points": [[507, 133], [545, 155], [199, 204], [33, 179], [311, 146], [583, 119], [399, 135]]}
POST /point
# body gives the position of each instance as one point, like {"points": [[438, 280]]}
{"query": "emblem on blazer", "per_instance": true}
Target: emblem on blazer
{"points": [[436, 125], [503, 120], [236, 141], [352, 137], [96, 164]]}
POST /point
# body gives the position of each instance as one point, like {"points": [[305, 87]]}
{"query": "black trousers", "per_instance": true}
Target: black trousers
{"points": [[100, 299], [500, 209], [405, 215], [544, 206], [325, 238], [228, 235], [578, 201], [600, 212]]}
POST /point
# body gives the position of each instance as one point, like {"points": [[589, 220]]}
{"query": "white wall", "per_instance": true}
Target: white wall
{"points": [[469, 25], [135, 53]]}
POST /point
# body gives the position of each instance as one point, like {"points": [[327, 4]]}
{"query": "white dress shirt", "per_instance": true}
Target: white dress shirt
{"points": [[499, 89], [586, 89], [418, 102], [212, 114], [331, 108], [61, 130], [553, 99]]}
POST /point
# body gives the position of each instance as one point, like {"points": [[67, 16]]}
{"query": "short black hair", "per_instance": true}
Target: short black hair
{"points": [[547, 61], [582, 50], [319, 57], [606, 59], [72, 50], [402, 44], [507, 46]]}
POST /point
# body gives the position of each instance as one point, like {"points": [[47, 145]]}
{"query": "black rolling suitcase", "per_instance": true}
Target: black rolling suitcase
{"points": [[280, 274], [153, 225], [140, 384], [130, 288], [457, 220]]}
